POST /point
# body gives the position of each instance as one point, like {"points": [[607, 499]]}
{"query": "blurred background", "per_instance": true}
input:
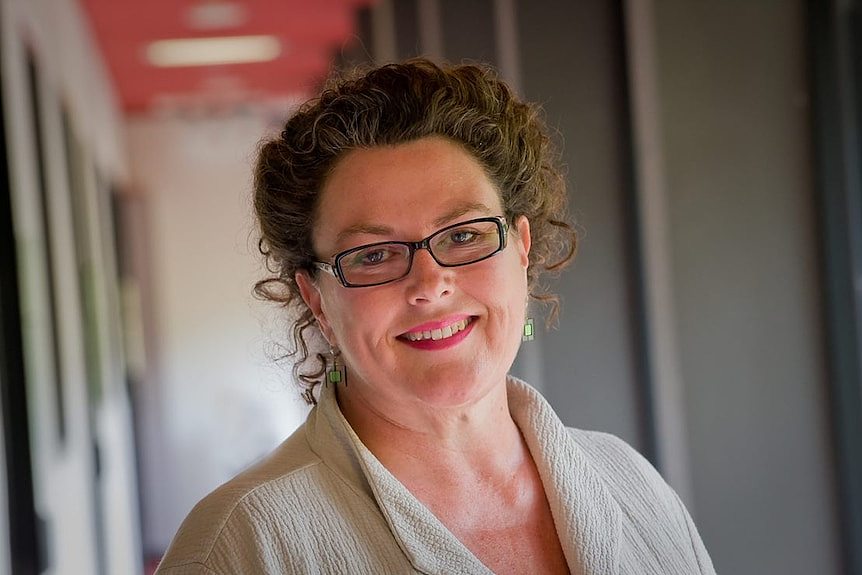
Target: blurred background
{"points": [[711, 319]]}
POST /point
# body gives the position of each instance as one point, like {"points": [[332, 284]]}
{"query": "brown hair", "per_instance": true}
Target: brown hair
{"points": [[394, 104]]}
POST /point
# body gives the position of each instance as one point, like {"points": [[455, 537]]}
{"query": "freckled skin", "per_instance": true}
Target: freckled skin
{"points": [[407, 188]]}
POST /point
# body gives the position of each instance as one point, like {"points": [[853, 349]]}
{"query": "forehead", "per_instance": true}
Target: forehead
{"points": [[405, 189]]}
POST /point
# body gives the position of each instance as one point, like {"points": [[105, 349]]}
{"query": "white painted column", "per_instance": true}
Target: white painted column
{"points": [[672, 444], [506, 26], [383, 32], [430, 34]]}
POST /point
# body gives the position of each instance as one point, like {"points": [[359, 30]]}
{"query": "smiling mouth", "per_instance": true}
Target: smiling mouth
{"points": [[441, 333]]}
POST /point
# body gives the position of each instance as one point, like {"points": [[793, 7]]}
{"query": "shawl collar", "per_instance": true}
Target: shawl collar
{"points": [[587, 518], [332, 439], [585, 515]]}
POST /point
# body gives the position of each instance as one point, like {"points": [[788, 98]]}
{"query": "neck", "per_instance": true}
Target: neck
{"points": [[480, 438]]}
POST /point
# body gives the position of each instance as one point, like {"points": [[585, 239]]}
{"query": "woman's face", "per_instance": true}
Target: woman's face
{"points": [[406, 193]]}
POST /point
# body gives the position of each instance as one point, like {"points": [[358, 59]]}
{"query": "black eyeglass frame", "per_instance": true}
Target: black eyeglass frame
{"points": [[334, 268]]}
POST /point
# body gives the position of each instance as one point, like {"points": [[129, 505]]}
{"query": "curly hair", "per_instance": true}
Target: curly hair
{"points": [[389, 105]]}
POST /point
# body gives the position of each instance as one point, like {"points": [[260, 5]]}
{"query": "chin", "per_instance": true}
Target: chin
{"points": [[450, 388]]}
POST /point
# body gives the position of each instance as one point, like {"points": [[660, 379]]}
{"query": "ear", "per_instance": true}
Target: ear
{"points": [[311, 296], [522, 227]]}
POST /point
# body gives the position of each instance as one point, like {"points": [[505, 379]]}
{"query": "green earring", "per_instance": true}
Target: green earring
{"points": [[528, 334], [336, 372]]}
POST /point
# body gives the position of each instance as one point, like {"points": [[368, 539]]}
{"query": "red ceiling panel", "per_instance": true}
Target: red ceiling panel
{"points": [[310, 32]]}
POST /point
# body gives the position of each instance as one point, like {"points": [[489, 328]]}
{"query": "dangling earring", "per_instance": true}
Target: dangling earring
{"points": [[528, 334], [336, 372]]}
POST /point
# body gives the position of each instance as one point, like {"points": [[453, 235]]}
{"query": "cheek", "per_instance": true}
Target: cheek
{"points": [[357, 316], [504, 289], [516, 274]]}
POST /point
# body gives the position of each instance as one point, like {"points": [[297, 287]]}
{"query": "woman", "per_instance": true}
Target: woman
{"points": [[407, 215]]}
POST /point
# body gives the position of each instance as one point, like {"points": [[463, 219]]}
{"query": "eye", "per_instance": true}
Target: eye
{"points": [[373, 256], [462, 236]]}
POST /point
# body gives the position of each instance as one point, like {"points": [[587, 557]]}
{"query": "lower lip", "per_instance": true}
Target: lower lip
{"points": [[445, 343]]}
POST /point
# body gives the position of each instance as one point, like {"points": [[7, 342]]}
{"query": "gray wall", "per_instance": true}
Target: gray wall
{"points": [[467, 30], [571, 64], [734, 103]]}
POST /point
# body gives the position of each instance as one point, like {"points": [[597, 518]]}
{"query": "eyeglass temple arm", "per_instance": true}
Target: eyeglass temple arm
{"points": [[326, 267]]}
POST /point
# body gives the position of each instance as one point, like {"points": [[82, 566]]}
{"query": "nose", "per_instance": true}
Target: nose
{"points": [[427, 281]]}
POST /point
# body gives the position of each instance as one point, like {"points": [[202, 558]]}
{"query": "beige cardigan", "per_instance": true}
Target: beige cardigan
{"points": [[322, 503]]}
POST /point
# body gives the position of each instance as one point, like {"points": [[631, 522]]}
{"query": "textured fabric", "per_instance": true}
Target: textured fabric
{"points": [[322, 503]]}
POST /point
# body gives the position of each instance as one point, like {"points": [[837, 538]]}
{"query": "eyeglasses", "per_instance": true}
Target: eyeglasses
{"points": [[460, 244]]}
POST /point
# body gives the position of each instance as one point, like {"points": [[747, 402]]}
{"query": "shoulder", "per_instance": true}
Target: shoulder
{"points": [[220, 524], [609, 453], [651, 506], [623, 469]]}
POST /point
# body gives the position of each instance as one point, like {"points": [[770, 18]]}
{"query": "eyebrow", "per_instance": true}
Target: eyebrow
{"points": [[380, 230]]}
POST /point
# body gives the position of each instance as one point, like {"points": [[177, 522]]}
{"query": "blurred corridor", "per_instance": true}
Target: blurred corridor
{"points": [[712, 318]]}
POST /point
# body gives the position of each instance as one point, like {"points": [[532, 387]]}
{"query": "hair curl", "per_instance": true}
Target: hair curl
{"points": [[394, 104]]}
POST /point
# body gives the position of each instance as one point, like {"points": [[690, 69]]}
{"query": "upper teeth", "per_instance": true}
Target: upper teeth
{"points": [[441, 333]]}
